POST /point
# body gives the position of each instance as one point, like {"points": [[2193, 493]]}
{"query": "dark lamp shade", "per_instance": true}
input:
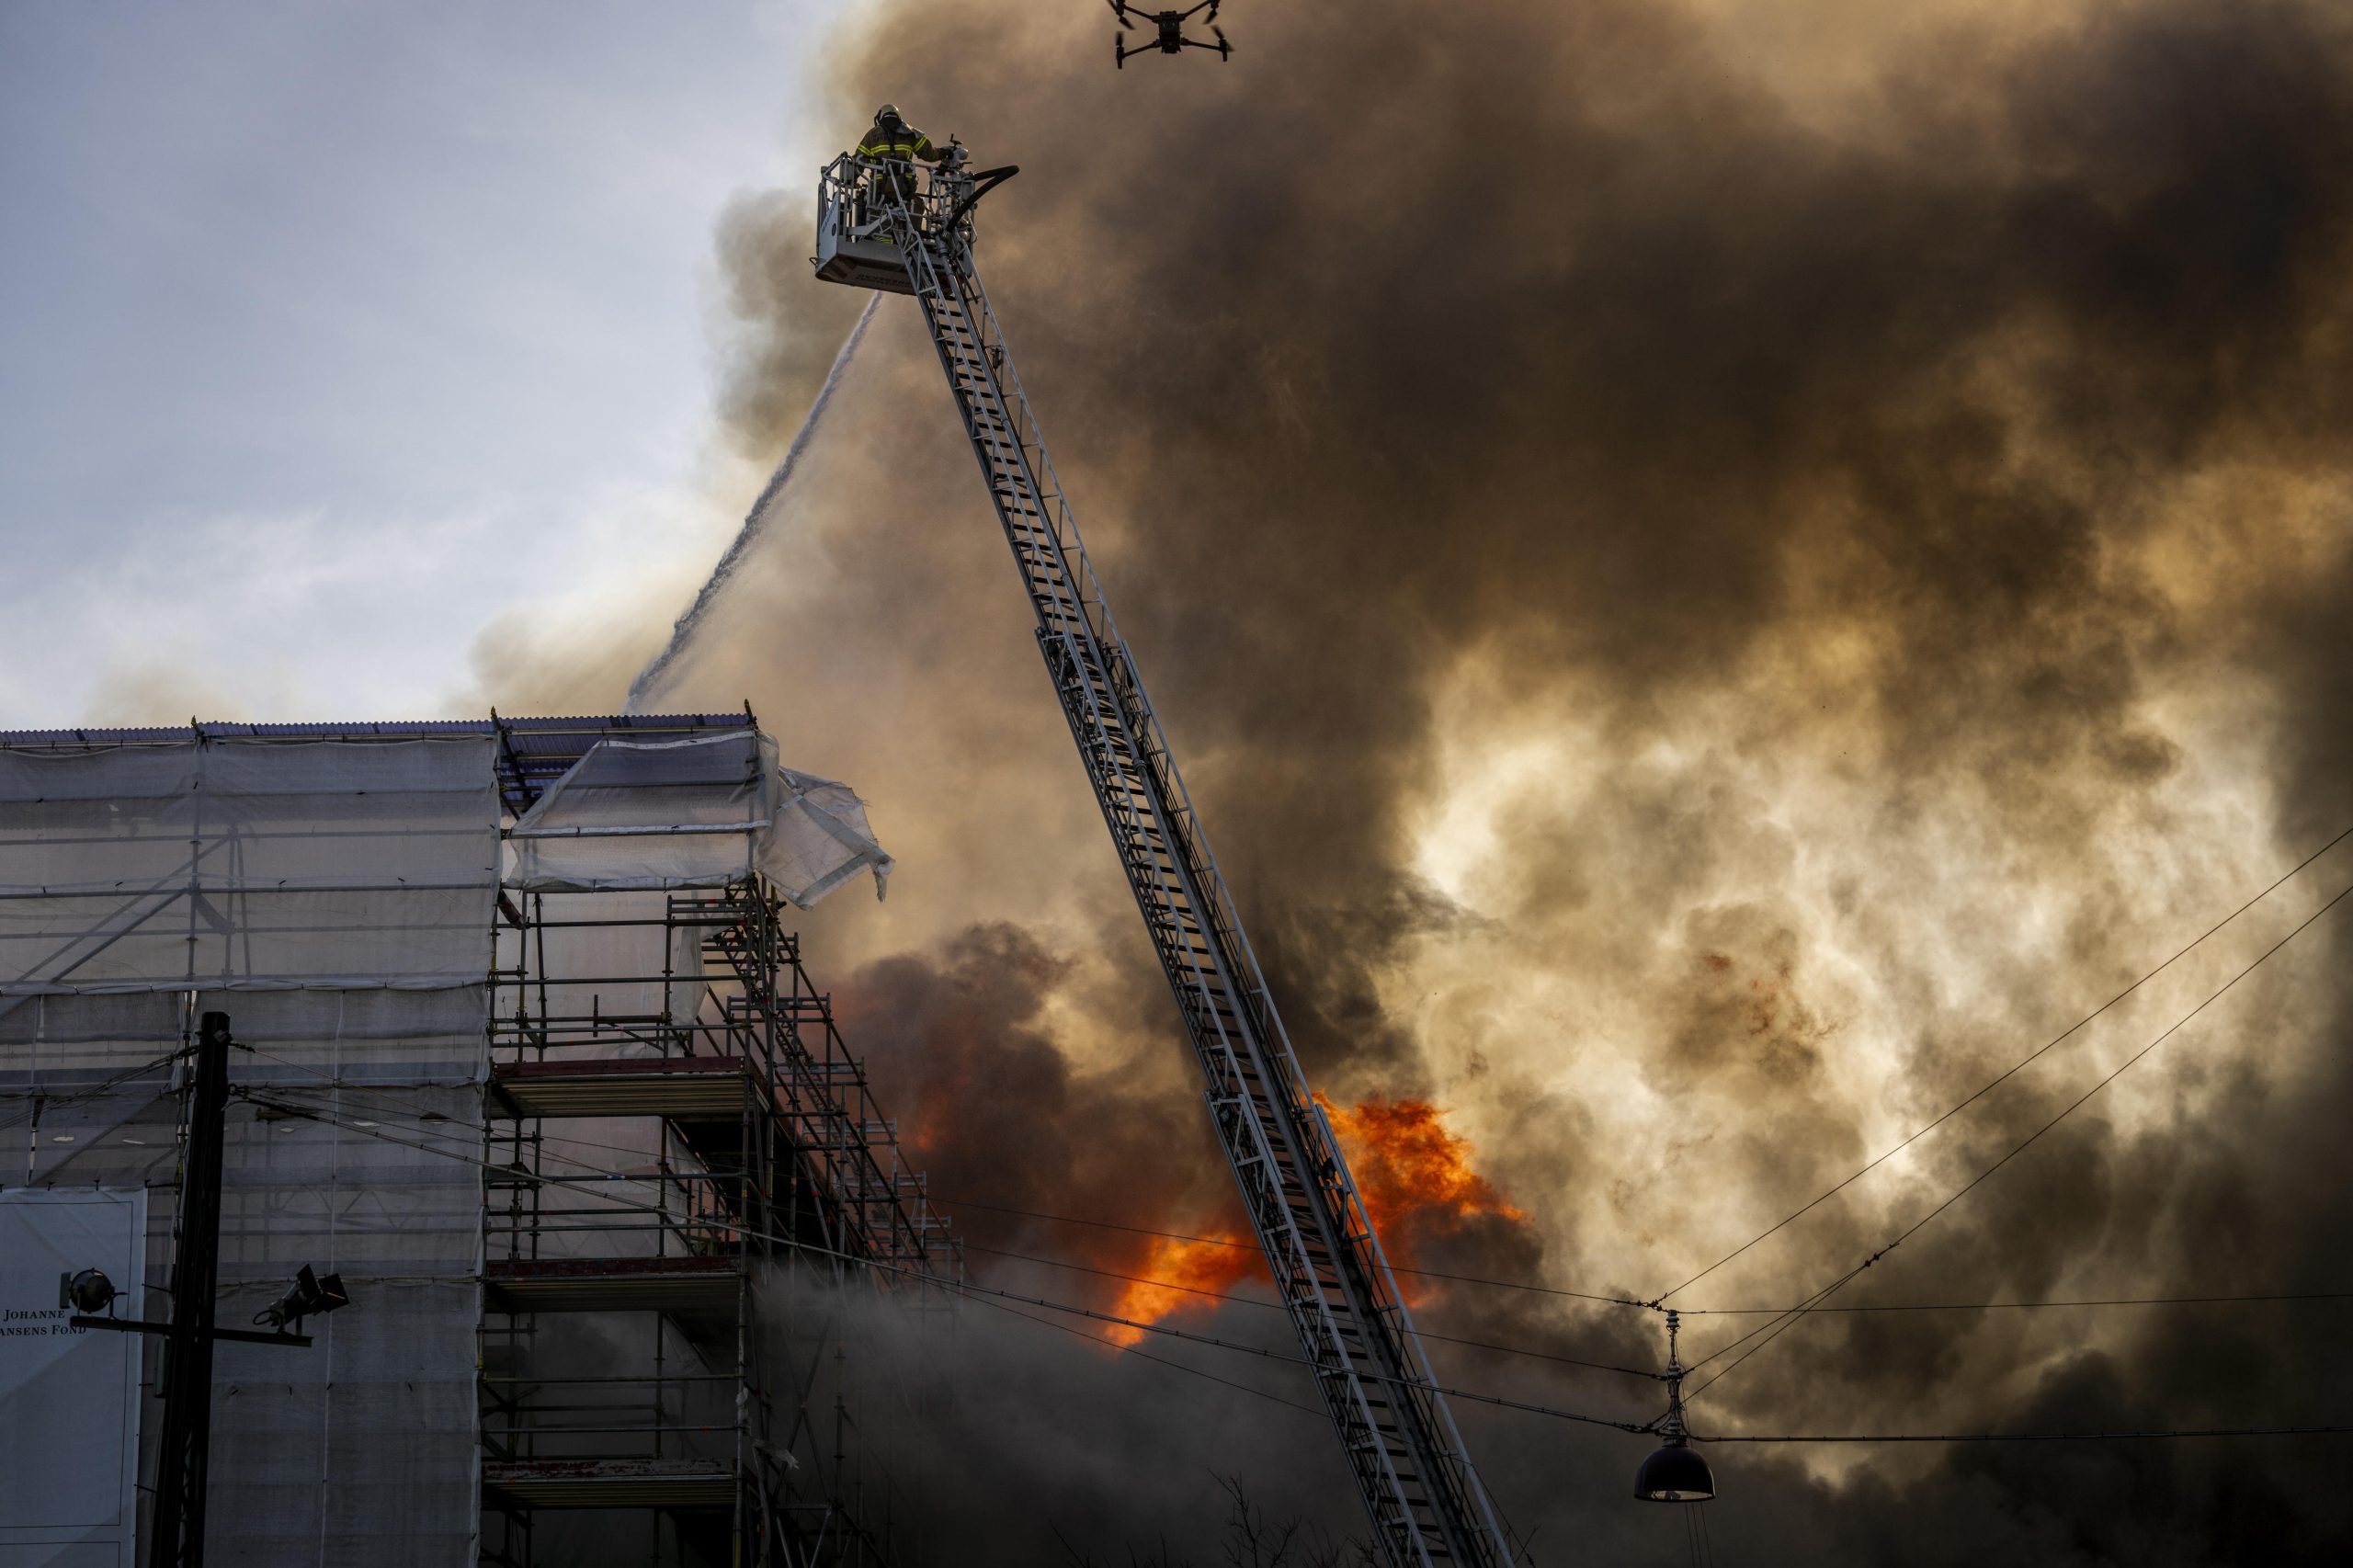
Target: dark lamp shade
{"points": [[1676, 1474], [88, 1292]]}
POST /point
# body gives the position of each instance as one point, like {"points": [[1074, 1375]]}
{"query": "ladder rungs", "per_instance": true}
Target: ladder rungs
{"points": [[1297, 1200]]}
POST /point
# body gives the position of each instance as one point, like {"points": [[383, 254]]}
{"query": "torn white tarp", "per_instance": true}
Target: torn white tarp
{"points": [[820, 838], [692, 813]]}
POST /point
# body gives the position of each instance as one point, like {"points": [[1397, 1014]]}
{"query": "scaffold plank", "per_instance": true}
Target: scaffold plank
{"points": [[615, 1284], [678, 1087], [676, 1485]]}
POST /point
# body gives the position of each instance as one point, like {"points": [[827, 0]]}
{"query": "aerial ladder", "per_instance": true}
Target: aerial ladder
{"points": [[877, 229]]}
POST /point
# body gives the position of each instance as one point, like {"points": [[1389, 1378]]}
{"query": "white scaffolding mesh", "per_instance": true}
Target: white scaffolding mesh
{"points": [[696, 813], [246, 865], [338, 899], [335, 898]]}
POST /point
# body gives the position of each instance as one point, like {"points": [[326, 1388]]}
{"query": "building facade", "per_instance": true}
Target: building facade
{"points": [[528, 1054]]}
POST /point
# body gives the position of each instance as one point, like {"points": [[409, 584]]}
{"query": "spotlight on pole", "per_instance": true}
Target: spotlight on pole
{"points": [[88, 1292], [1675, 1472], [308, 1296]]}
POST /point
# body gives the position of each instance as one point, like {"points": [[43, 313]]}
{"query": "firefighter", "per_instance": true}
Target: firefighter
{"points": [[894, 142]]}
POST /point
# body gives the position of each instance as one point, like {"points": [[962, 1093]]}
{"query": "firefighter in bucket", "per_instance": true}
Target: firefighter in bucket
{"points": [[896, 144]]}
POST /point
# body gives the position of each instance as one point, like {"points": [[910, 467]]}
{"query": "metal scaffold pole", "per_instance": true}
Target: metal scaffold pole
{"points": [[712, 1424], [1424, 1500]]}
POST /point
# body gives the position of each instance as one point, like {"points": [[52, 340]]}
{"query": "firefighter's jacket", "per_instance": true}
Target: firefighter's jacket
{"points": [[904, 144]]}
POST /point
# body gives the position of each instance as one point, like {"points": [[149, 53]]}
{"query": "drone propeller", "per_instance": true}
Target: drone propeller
{"points": [[1224, 50], [1119, 9]]}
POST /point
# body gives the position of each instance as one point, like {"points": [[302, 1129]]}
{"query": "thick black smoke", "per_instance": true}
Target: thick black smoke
{"points": [[1708, 613]]}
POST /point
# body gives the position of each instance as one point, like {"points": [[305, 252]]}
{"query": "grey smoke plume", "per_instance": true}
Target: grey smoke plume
{"points": [[1719, 573]]}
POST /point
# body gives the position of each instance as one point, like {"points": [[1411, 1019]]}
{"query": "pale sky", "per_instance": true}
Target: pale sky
{"points": [[333, 330]]}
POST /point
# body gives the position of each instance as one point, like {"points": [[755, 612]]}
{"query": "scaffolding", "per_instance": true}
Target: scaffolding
{"points": [[528, 1053], [762, 1153]]}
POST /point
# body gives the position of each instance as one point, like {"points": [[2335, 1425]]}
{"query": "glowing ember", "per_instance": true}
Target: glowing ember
{"points": [[1202, 1266]]}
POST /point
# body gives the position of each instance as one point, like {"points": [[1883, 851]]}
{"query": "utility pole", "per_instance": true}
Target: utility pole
{"points": [[177, 1538]]}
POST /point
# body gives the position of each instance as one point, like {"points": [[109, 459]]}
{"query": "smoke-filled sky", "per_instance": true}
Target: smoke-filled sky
{"points": [[1720, 573]]}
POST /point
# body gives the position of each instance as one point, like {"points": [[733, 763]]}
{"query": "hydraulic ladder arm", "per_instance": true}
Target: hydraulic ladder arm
{"points": [[1423, 1498]]}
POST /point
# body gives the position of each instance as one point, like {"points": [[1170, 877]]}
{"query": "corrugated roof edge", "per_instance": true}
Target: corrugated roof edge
{"points": [[532, 752], [377, 730]]}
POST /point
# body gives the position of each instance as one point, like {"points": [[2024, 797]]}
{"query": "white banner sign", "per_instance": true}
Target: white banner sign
{"points": [[69, 1397]]}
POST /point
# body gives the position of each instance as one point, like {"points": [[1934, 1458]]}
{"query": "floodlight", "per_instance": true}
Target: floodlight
{"points": [[88, 1292], [307, 1296]]}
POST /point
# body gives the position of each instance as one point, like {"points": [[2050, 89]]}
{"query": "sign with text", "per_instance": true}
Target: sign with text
{"points": [[69, 1397]]}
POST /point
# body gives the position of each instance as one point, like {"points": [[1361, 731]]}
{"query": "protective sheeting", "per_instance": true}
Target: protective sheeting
{"points": [[697, 812], [353, 1145], [246, 865], [821, 839], [335, 898], [69, 1397], [359, 1451]]}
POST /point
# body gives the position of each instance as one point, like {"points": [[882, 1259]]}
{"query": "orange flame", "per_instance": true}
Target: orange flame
{"points": [[1411, 1172], [1201, 1266]]}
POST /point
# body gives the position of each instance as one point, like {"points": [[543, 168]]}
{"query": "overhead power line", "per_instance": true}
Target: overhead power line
{"points": [[1773, 1330], [970, 1245], [1147, 1356], [466, 1137], [2022, 1306], [959, 1286], [2117, 1437], [992, 1295], [461, 1134], [2004, 1077], [1625, 1301], [938, 1201], [37, 1100]]}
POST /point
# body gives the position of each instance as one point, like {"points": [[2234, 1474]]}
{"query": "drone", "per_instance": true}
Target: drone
{"points": [[1170, 27]]}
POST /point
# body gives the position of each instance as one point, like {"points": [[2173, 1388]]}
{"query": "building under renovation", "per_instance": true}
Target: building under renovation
{"points": [[526, 1056], [530, 1059]]}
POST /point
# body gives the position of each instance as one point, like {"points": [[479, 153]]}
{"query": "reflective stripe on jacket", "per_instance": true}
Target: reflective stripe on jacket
{"points": [[906, 143]]}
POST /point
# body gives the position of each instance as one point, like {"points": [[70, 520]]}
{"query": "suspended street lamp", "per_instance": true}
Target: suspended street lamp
{"points": [[1675, 1472]]}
